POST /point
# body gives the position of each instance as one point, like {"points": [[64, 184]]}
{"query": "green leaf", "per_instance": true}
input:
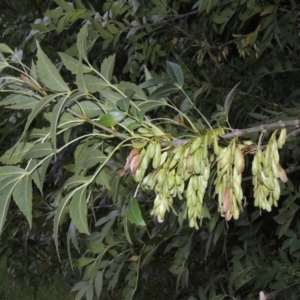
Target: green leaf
{"points": [[49, 74], [112, 118], [112, 97], [5, 197], [22, 195], [107, 67], [19, 101], [5, 48], [55, 117], [39, 150], [93, 158], [37, 109], [88, 108], [54, 13], [94, 84], [175, 72], [16, 154], [102, 180], [133, 213], [82, 42], [83, 261], [64, 5], [98, 284], [78, 211], [151, 105], [72, 64], [164, 91]]}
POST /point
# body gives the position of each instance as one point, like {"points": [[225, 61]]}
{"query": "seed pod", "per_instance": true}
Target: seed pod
{"points": [[144, 163], [275, 169], [197, 161], [282, 175], [151, 149], [177, 152], [195, 145], [190, 163], [227, 200], [206, 173], [161, 178], [237, 191], [204, 148], [171, 180], [156, 158], [163, 158], [224, 158], [239, 160], [282, 138], [194, 180], [255, 165], [267, 181], [276, 191], [216, 145], [139, 174]]}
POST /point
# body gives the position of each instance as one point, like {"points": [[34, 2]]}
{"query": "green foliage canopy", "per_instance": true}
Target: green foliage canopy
{"points": [[131, 87]]}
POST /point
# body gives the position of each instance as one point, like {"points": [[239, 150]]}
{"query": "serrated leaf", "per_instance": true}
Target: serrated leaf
{"points": [[112, 97], [11, 170], [5, 197], [19, 101], [175, 72], [107, 67], [22, 195], [102, 179], [93, 158], [48, 73], [72, 64], [82, 42], [133, 213], [78, 211], [94, 84], [39, 150], [112, 118], [164, 91], [37, 109], [16, 154]]}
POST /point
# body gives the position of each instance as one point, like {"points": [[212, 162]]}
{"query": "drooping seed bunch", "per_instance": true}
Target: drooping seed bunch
{"points": [[183, 171], [267, 171], [230, 166]]}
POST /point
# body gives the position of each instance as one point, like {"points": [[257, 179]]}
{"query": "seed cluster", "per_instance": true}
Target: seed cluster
{"points": [[183, 171]]}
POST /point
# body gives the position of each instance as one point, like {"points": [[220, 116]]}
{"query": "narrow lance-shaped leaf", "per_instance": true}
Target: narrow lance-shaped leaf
{"points": [[133, 213], [175, 72], [81, 42], [39, 150], [16, 154], [79, 78], [164, 91], [37, 109], [55, 117], [107, 67], [5, 197], [49, 74], [78, 211], [72, 64], [22, 195]]}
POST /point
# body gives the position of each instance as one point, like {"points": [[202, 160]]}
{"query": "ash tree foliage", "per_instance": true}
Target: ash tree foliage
{"points": [[152, 147]]}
